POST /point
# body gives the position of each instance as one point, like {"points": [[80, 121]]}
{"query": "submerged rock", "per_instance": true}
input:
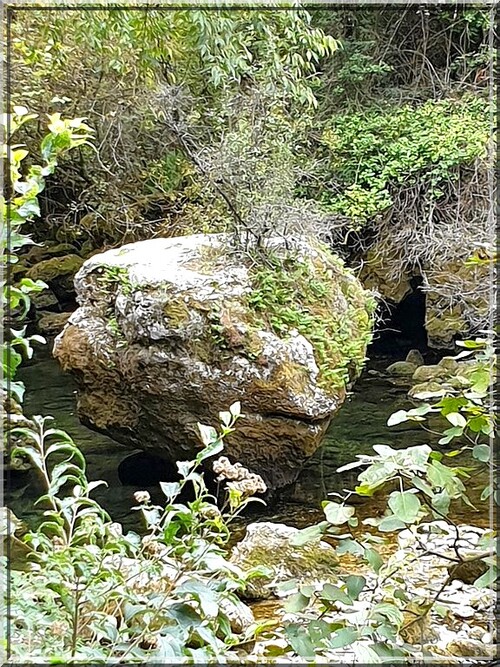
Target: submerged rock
{"points": [[402, 369], [430, 373], [269, 545], [171, 331]]}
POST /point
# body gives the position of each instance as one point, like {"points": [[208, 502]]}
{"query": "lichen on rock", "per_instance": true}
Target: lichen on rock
{"points": [[167, 335]]}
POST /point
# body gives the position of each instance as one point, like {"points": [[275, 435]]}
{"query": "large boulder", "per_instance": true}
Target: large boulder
{"points": [[171, 331]]}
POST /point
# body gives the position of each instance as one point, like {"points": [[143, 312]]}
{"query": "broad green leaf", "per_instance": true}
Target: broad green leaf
{"points": [[405, 506], [397, 418], [319, 630], [207, 433], [481, 453], [441, 502], [343, 637], [300, 641], [456, 419], [354, 584], [296, 602], [334, 594], [449, 434], [488, 579], [390, 611], [235, 409], [336, 513], [374, 559], [422, 486], [349, 546], [170, 489], [309, 534], [390, 524], [365, 654]]}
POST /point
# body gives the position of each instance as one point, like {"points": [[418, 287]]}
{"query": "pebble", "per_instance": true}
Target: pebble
{"points": [[464, 612], [476, 632]]}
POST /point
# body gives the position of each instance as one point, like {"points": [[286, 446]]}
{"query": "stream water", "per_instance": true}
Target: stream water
{"points": [[360, 424]]}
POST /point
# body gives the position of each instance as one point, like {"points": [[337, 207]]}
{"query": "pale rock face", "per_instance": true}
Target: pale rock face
{"points": [[269, 544], [163, 339]]}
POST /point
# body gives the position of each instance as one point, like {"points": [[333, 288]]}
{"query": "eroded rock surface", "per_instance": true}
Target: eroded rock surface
{"points": [[164, 338]]}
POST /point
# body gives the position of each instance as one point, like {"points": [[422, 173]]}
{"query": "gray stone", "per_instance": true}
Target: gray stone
{"points": [[269, 545], [44, 300], [164, 339], [468, 648], [425, 390], [402, 369], [450, 364], [415, 357], [430, 373]]}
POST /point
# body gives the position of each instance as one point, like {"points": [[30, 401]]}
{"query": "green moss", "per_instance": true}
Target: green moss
{"points": [[107, 276], [50, 269], [310, 296]]}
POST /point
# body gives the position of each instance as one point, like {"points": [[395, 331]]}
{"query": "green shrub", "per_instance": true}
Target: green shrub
{"points": [[91, 593], [372, 151]]}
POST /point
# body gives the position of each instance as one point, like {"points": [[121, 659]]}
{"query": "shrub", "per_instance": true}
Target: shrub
{"points": [[91, 593]]}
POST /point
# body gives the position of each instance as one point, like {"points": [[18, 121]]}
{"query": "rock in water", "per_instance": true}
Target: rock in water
{"points": [[402, 369], [171, 331], [269, 545], [415, 357]]}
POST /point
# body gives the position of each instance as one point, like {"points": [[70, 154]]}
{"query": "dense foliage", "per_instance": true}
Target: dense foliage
{"points": [[370, 130]]}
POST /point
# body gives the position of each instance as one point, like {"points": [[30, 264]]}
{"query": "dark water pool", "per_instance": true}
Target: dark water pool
{"points": [[360, 424]]}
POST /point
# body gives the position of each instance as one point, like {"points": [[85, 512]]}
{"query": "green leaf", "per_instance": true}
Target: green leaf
{"points": [[441, 502], [488, 579], [482, 453], [354, 584], [170, 489], [405, 506], [487, 491], [334, 594], [318, 630], [390, 524], [366, 655], [296, 602], [374, 559], [397, 418], [390, 611], [456, 419], [422, 486], [450, 434], [343, 637], [349, 546], [300, 641], [235, 409], [309, 534], [337, 513], [208, 434]]}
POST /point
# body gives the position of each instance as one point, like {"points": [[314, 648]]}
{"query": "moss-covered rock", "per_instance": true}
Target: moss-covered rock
{"points": [[270, 546], [402, 369], [58, 273], [55, 267], [172, 331]]}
